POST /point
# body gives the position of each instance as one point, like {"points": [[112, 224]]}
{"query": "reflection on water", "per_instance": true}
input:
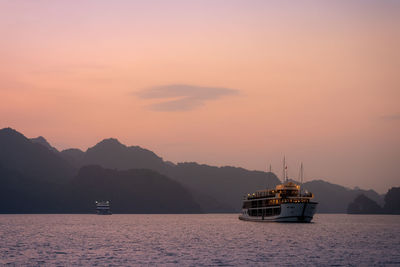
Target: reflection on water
{"points": [[207, 239]]}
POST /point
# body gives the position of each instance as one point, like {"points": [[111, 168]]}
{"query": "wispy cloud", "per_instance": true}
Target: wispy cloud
{"points": [[391, 117], [183, 97]]}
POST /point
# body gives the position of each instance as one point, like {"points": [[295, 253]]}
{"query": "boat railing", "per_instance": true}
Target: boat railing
{"points": [[307, 194]]}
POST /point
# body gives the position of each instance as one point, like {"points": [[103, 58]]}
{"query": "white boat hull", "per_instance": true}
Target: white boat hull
{"points": [[290, 212]]}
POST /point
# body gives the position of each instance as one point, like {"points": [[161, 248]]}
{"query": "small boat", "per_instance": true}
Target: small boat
{"points": [[285, 203], [103, 208]]}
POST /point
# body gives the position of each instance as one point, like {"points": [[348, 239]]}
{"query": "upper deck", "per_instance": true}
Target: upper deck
{"points": [[102, 204], [286, 190]]}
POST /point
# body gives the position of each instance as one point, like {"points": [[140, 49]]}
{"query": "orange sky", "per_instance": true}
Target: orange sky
{"points": [[231, 84]]}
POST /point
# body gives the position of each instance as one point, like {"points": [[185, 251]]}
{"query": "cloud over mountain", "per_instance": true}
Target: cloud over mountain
{"points": [[183, 97]]}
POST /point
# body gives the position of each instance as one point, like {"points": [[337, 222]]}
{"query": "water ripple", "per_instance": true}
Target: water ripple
{"points": [[197, 240]]}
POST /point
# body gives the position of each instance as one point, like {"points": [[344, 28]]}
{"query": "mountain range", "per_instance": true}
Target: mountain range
{"points": [[365, 205], [39, 178]]}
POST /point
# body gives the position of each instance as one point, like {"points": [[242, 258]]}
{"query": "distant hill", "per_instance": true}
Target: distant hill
{"points": [[23, 194], [334, 198], [36, 178], [131, 191], [364, 205], [227, 185], [33, 159], [74, 156], [219, 189], [110, 153], [392, 201], [34, 163], [41, 140], [215, 189]]}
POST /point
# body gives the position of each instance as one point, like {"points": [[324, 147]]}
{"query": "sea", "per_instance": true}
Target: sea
{"points": [[197, 240]]}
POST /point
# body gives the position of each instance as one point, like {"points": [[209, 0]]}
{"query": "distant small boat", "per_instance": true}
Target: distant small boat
{"points": [[103, 208], [285, 203]]}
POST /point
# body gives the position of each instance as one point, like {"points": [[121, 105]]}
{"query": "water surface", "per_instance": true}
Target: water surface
{"points": [[196, 240]]}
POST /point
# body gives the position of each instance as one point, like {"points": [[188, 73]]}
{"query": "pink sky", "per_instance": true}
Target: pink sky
{"points": [[223, 83]]}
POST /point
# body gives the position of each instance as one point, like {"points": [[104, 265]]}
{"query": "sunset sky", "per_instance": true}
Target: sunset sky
{"points": [[238, 83]]}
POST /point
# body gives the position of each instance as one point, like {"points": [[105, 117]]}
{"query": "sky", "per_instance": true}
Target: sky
{"points": [[238, 83]]}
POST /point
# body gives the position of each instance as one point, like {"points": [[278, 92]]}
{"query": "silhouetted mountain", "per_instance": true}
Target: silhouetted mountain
{"points": [[41, 140], [32, 159], [33, 170], [372, 194], [209, 204], [392, 201], [73, 155], [23, 194], [334, 198], [227, 185], [131, 191], [110, 153], [364, 205], [215, 189]]}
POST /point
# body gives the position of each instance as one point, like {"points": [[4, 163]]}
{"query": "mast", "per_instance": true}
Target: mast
{"points": [[301, 177], [287, 179], [270, 171], [283, 170], [284, 175]]}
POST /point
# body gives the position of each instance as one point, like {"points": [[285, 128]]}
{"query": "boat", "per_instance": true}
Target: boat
{"points": [[285, 203], [103, 207]]}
